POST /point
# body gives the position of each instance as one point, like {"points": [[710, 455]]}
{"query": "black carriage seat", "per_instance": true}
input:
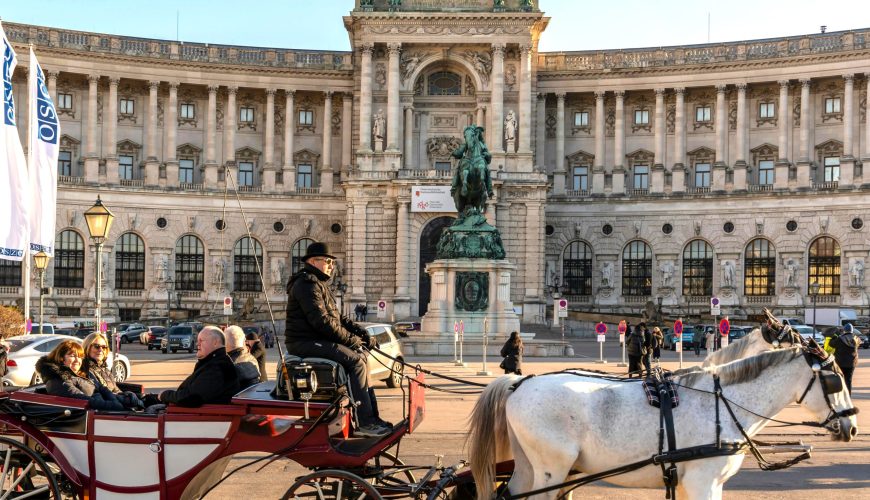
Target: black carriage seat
{"points": [[332, 381], [53, 413]]}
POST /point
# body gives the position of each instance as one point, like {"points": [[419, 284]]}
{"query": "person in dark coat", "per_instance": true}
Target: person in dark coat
{"points": [[658, 340], [845, 344], [61, 372], [316, 328], [255, 347], [96, 347], [646, 348], [246, 365], [214, 379], [637, 348], [512, 352]]}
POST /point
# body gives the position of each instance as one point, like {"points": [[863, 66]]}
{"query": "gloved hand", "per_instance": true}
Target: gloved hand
{"points": [[371, 342], [355, 343]]}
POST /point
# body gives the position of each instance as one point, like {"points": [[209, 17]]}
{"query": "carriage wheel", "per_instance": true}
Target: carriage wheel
{"points": [[391, 475], [24, 473], [331, 485]]}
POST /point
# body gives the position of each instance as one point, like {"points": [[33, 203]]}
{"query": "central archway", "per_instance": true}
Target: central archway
{"points": [[428, 242]]}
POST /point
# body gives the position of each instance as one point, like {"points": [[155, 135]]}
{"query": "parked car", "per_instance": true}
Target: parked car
{"points": [[65, 331], [403, 327], [155, 336], [381, 367], [792, 321], [181, 336], [84, 331], [47, 329], [688, 338], [865, 341], [24, 350], [807, 332], [738, 332], [131, 332]]}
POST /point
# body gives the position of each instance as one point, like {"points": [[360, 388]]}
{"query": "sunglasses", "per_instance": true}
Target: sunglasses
{"points": [[326, 260], [100, 346]]}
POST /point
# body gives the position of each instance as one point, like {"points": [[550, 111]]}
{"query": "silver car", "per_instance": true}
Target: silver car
{"points": [[807, 332], [381, 367], [25, 350]]}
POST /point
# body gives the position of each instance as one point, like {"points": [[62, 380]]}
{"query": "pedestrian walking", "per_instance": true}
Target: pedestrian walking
{"points": [[633, 349], [845, 344], [658, 342], [697, 339], [512, 352], [646, 348], [710, 341]]}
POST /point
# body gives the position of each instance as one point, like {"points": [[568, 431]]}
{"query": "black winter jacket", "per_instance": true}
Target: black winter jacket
{"points": [[246, 367], [213, 381], [100, 374], [61, 381], [259, 353], [846, 349], [312, 313], [513, 356]]}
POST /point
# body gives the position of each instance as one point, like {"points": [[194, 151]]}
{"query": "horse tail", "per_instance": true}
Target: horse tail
{"points": [[487, 438]]}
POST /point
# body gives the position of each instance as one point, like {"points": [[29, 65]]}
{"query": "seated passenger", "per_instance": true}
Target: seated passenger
{"points": [[214, 379], [246, 365], [316, 328], [61, 371], [96, 348], [255, 347]]}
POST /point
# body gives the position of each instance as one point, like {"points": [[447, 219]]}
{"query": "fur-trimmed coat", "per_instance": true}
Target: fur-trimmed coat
{"points": [[61, 381], [246, 367]]}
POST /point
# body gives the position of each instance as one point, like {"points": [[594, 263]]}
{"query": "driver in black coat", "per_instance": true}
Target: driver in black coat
{"points": [[316, 328]]}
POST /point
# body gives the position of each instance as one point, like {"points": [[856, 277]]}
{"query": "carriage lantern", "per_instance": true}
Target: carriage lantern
{"points": [[303, 383]]}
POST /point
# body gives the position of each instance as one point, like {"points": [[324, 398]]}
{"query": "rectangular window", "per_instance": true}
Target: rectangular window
{"points": [[641, 177], [64, 163], [832, 169], [306, 117], [185, 171], [443, 166], [64, 101], [581, 119], [765, 172], [125, 167], [641, 117], [246, 114], [580, 179], [246, 173], [69, 312], [703, 113], [702, 175], [766, 110], [10, 273], [832, 105], [188, 111], [303, 176], [129, 314], [128, 106]]}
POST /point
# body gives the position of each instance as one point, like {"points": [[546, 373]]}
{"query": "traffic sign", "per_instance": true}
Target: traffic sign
{"points": [[678, 328], [724, 327], [622, 327], [601, 329], [601, 338], [461, 327], [563, 308], [103, 327], [28, 325], [382, 309], [715, 306], [228, 305]]}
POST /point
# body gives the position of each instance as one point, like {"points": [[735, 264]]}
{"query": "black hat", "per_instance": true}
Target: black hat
{"points": [[317, 249]]}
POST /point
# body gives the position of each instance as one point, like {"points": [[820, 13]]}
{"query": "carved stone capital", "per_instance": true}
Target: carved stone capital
{"points": [[680, 90], [561, 96], [114, 81], [659, 92], [741, 87], [212, 89], [367, 48], [271, 92], [599, 95], [93, 79], [347, 95], [327, 94], [848, 77], [525, 48], [232, 90], [394, 48], [806, 81], [720, 88], [542, 96], [498, 49], [173, 86], [153, 85], [53, 74], [620, 94], [289, 93], [783, 84]]}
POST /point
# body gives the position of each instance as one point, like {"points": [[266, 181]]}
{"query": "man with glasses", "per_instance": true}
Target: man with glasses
{"points": [[316, 328]]}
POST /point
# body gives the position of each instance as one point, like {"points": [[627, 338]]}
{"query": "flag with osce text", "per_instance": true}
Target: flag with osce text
{"points": [[44, 135], [14, 184]]}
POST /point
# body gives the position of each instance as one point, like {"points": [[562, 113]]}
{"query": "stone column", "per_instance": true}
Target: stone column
{"points": [[403, 251], [739, 183], [357, 246], [804, 160], [497, 98], [326, 146], [678, 177], [525, 99], [721, 164], [346, 120], [619, 131], [289, 147], [230, 125], [599, 131], [780, 178], [657, 177], [393, 103], [541, 132], [269, 144], [210, 168], [110, 119], [847, 162], [152, 165], [52, 85], [866, 156], [365, 98], [480, 115], [170, 125], [559, 168], [409, 137], [91, 157]]}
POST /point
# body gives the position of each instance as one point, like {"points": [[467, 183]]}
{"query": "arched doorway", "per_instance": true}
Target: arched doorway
{"points": [[428, 241]]}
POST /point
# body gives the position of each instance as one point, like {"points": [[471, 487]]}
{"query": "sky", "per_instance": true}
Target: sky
{"points": [[317, 24]]}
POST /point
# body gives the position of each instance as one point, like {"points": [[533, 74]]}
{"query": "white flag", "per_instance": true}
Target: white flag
{"points": [[14, 199], [44, 147]]}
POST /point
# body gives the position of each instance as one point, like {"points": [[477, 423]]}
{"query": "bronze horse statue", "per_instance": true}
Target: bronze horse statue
{"points": [[472, 182]]}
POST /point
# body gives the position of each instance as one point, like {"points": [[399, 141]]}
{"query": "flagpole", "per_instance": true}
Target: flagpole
{"points": [[31, 115]]}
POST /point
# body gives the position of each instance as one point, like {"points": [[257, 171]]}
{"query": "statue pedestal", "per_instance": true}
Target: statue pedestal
{"points": [[470, 290], [379, 145]]}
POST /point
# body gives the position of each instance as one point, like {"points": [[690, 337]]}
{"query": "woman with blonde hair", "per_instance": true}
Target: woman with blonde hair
{"points": [[61, 371], [95, 367]]}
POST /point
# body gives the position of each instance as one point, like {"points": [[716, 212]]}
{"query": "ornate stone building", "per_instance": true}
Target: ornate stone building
{"points": [[728, 169]]}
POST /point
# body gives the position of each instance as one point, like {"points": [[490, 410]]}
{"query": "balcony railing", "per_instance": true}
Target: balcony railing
{"points": [[827, 299], [132, 182], [699, 190], [637, 192], [129, 293], [250, 189], [825, 186], [189, 186], [307, 190], [68, 292], [760, 299], [635, 299], [70, 179], [10, 290], [416, 174], [577, 193], [760, 188]]}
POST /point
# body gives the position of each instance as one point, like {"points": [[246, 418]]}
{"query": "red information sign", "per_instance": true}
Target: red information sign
{"points": [[601, 328], [622, 327], [724, 327], [678, 328]]}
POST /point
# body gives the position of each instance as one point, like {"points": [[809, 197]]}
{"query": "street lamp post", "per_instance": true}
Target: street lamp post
{"points": [[168, 296], [99, 220], [41, 262], [814, 292], [340, 288]]}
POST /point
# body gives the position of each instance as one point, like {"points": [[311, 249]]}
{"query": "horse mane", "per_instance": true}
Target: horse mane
{"points": [[740, 370], [734, 350]]}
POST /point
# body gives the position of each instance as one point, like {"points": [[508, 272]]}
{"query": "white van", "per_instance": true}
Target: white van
{"points": [[47, 328]]}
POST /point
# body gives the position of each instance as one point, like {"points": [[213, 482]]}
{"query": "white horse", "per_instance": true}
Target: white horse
{"points": [[750, 345], [555, 424]]}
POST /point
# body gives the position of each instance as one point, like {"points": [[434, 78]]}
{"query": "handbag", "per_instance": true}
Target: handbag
{"points": [[502, 364]]}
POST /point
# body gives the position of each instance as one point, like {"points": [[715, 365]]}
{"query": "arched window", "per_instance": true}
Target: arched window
{"points": [[130, 263], [69, 260], [445, 83], [698, 269], [299, 249], [577, 269], [10, 273], [189, 263], [759, 268], [247, 262], [824, 265], [637, 270]]}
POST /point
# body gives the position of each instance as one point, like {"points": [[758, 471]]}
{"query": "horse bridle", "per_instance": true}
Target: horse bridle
{"points": [[827, 373]]}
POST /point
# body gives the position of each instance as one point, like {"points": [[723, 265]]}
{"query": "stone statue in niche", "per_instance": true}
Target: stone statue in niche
{"points": [[728, 274], [510, 126], [856, 273], [380, 123], [791, 268], [219, 273], [162, 267], [278, 271], [667, 270], [607, 275]]}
